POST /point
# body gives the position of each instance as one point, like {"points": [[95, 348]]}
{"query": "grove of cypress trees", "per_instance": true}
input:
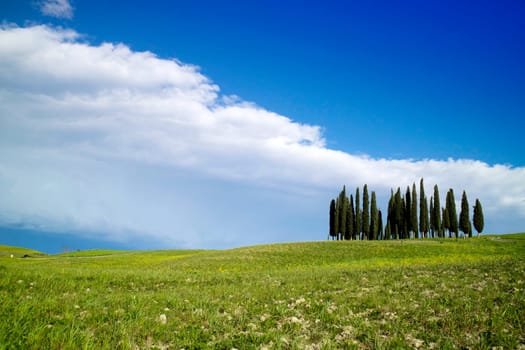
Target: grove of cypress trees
{"points": [[478, 217], [464, 220], [413, 212], [348, 222], [366, 214], [374, 224]]}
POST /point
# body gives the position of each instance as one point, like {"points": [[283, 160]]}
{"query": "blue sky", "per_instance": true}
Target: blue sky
{"points": [[384, 93]]}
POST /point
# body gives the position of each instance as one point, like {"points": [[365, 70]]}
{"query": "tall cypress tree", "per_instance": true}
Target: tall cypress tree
{"points": [[452, 214], [349, 233], [446, 223], [374, 224], [366, 213], [380, 224], [431, 212], [389, 215], [337, 207], [408, 215], [437, 212], [357, 228], [343, 203], [478, 217], [423, 210], [332, 218], [464, 220], [413, 212], [398, 215]]}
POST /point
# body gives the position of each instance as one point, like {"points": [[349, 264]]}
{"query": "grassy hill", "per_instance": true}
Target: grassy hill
{"points": [[18, 252], [319, 295]]}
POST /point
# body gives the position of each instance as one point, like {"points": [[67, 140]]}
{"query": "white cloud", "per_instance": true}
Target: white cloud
{"points": [[105, 139], [57, 8]]}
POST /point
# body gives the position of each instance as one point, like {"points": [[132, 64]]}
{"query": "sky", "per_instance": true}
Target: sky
{"points": [[205, 124]]}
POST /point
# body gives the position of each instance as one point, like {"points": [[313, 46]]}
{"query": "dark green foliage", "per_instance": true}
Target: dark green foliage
{"points": [[337, 206], [349, 232], [397, 226], [464, 220], [350, 221], [374, 219], [357, 227], [342, 213], [408, 213], [333, 218], [352, 208], [366, 213], [380, 225], [423, 211], [413, 212], [431, 217], [437, 213], [446, 222], [452, 214], [478, 217]]}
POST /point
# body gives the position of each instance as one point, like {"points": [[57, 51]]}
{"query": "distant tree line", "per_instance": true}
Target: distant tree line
{"points": [[406, 217]]}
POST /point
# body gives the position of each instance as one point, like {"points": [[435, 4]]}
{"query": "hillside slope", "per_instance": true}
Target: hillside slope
{"points": [[398, 294]]}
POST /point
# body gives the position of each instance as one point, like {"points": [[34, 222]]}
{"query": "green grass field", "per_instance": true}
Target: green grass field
{"points": [[425, 294]]}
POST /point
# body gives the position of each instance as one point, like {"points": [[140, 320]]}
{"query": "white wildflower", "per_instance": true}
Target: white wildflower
{"points": [[163, 319]]}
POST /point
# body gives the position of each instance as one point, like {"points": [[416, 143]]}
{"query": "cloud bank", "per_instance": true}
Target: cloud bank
{"points": [[103, 140]]}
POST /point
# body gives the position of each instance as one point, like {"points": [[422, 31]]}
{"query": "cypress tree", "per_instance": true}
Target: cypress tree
{"points": [[437, 212], [380, 224], [452, 214], [374, 224], [464, 220], [353, 216], [337, 207], [478, 217], [349, 233], [343, 202], [431, 212], [389, 215], [446, 222], [332, 218], [408, 215], [423, 210], [357, 228], [413, 212], [398, 215], [366, 214]]}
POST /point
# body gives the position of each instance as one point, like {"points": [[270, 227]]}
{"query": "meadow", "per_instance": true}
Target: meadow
{"points": [[419, 294]]}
